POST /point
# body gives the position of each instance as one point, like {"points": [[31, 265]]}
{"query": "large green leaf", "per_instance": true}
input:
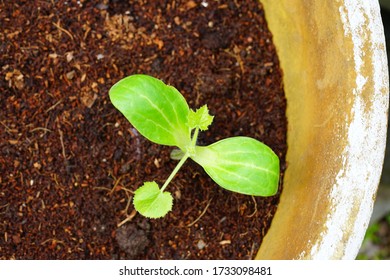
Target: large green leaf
{"points": [[158, 111], [241, 164]]}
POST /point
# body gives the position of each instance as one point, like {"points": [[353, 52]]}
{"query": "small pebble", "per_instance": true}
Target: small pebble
{"points": [[201, 244]]}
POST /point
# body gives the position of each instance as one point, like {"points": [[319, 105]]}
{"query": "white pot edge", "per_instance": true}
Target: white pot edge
{"points": [[357, 181]]}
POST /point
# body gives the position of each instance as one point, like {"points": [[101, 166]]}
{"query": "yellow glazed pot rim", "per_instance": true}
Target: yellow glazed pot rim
{"points": [[336, 81]]}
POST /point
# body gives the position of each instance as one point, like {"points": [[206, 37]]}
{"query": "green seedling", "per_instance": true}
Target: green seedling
{"points": [[161, 114]]}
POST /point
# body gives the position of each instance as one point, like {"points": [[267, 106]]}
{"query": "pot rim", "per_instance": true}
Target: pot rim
{"points": [[341, 200]]}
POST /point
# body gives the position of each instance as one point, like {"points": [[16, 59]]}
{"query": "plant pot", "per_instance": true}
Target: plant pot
{"points": [[336, 81]]}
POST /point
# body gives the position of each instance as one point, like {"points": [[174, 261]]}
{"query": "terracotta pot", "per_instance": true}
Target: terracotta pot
{"points": [[336, 82]]}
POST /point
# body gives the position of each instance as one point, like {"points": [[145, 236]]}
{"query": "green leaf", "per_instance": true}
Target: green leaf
{"points": [[151, 202], [158, 111], [201, 118], [241, 164]]}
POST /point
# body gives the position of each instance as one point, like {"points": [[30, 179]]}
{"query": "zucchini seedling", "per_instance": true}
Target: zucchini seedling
{"points": [[161, 114]]}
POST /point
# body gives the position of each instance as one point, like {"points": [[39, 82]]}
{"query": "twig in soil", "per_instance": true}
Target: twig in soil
{"points": [[103, 188], [201, 214], [116, 183], [128, 218], [53, 106], [254, 212], [250, 257], [52, 240], [41, 128], [62, 144], [239, 60], [4, 206], [127, 206], [57, 185], [64, 30], [8, 130]]}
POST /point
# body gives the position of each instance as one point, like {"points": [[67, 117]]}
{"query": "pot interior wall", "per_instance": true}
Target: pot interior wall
{"points": [[335, 77]]}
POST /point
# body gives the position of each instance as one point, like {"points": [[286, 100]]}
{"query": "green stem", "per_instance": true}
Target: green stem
{"points": [[182, 160], [178, 166], [195, 137]]}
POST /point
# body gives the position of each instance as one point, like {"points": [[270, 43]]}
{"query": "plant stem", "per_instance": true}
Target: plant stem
{"points": [[182, 160], [178, 166], [195, 137]]}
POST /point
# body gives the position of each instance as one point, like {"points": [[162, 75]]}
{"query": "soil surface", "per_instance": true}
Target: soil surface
{"points": [[69, 160]]}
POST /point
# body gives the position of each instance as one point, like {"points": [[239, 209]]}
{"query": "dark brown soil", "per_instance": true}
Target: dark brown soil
{"points": [[69, 160]]}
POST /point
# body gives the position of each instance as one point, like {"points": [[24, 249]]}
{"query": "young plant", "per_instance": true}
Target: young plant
{"points": [[161, 114]]}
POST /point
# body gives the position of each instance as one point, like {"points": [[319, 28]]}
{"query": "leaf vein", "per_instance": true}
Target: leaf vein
{"points": [[251, 166]]}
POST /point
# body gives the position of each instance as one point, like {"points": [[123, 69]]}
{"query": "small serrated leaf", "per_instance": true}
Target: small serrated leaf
{"points": [[200, 118], [150, 202]]}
